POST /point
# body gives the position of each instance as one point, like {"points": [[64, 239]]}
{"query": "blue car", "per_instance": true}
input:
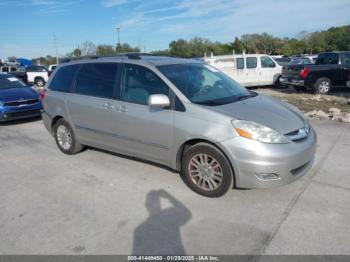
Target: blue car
{"points": [[17, 100]]}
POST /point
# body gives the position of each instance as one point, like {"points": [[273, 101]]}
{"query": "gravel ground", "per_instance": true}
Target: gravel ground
{"points": [[307, 102]]}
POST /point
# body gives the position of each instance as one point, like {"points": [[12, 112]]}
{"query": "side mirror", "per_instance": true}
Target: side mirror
{"points": [[158, 100]]}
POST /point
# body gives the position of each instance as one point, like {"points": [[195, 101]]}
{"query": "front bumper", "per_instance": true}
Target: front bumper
{"points": [[293, 82], [17, 113], [282, 163]]}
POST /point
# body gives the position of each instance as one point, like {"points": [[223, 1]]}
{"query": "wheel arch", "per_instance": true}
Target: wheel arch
{"points": [[194, 141], [276, 77], [54, 120]]}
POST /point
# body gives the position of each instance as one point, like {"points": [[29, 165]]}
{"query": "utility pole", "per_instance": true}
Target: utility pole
{"points": [[55, 42], [118, 31]]}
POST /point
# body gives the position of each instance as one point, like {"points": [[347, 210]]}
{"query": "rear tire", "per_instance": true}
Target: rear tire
{"points": [[65, 138], [206, 170], [39, 81], [323, 85]]}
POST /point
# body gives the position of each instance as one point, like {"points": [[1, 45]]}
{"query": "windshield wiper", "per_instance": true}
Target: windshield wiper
{"points": [[243, 97], [208, 103]]}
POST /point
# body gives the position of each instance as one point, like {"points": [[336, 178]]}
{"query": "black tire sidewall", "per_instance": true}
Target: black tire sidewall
{"points": [[71, 150], [38, 80], [220, 157]]}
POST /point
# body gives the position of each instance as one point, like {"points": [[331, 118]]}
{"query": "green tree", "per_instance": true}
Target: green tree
{"points": [[238, 46], [179, 48], [105, 50], [126, 48]]}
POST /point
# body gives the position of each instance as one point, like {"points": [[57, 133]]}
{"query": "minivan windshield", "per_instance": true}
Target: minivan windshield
{"points": [[204, 84], [10, 82]]}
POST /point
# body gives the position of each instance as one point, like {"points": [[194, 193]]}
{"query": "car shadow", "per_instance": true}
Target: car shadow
{"points": [[160, 233], [20, 121]]}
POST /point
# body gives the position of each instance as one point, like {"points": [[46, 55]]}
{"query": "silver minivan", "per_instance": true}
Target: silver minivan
{"points": [[180, 113]]}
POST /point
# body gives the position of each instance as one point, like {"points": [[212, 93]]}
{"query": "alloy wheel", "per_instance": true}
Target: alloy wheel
{"points": [[205, 172], [64, 137]]}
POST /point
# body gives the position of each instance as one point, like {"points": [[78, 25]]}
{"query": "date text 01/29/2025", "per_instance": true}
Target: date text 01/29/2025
{"points": [[173, 258]]}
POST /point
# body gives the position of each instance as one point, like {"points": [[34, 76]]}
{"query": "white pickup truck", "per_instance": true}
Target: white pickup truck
{"points": [[248, 69], [37, 75]]}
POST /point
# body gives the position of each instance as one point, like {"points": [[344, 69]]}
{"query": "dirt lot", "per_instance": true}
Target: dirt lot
{"points": [[307, 102]]}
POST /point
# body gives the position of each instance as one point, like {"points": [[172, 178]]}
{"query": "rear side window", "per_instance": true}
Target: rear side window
{"points": [[328, 58], [63, 78], [251, 62], [97, 79], [239, 63]]}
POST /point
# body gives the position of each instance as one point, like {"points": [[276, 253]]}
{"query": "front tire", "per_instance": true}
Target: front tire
{"points": [[206, 170], [278, 84], [65, 138], [323, 85]]}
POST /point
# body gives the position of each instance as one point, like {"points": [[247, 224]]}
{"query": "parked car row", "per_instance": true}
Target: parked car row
{"points": [[37, 75], [331, 70]]}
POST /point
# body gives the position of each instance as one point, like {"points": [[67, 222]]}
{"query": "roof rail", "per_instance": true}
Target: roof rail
{"points": [[131, 55]]}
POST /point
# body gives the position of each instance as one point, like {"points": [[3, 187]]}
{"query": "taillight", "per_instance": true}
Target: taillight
{"points": [[304, 72], [42, 94]]}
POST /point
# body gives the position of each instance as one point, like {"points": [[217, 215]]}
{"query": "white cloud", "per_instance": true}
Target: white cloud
{"points": [[44, 6], [225, 19], [111, 3]]}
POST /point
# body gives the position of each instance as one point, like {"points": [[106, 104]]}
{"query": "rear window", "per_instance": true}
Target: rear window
{"points": [[36, 69], [97, 79], [63, 78]]}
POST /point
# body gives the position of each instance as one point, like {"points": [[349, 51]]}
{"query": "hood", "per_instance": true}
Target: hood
{"points": [[265, 110], [14, 94]]}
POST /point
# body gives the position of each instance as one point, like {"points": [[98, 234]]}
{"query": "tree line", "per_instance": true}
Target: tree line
{"points": [[334, 38]]}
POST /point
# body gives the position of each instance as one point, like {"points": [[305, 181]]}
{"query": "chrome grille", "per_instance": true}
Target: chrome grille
{"points": [[23, 102]]}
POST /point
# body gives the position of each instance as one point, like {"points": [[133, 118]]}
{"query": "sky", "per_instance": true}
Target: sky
{"points": [[28, 27]]}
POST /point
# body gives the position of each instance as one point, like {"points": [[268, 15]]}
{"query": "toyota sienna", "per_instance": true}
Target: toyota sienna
{"points": [[183, 114]]}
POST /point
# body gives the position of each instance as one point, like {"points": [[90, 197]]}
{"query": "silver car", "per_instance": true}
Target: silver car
{"points": [[180, 113]]}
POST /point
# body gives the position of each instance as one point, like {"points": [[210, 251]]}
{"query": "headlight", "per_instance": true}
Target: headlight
{"points": [[258, 132]]}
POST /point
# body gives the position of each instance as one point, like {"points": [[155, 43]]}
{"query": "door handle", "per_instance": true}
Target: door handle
{"points": [[123, 109], [108, 106]]}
